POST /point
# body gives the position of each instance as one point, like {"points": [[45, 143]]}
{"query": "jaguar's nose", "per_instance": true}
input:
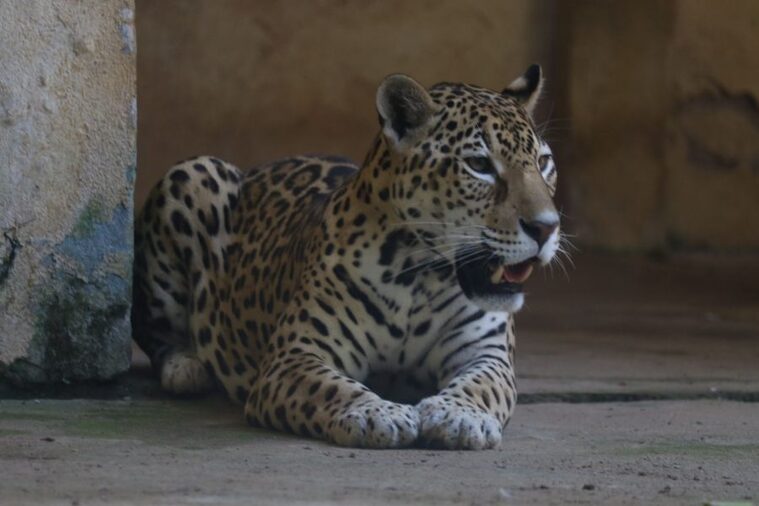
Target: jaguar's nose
{"points": [[539, 230]]}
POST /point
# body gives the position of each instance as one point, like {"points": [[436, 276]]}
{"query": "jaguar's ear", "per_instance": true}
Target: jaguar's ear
{"points": [[404, 106], [526, 88]]}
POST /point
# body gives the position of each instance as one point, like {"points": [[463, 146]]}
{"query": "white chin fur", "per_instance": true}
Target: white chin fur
{"points": [[510, 304]]}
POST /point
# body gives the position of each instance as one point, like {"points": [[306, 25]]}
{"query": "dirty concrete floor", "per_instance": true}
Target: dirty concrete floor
{"points": [[679, 337], [153, 452]]}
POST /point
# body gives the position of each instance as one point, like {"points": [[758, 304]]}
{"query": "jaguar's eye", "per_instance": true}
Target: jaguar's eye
{"points": [[481, 165], [543, 161]]}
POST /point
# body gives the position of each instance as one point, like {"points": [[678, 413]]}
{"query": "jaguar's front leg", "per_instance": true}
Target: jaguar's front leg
{"points": [[477, 393], [304, 392]]}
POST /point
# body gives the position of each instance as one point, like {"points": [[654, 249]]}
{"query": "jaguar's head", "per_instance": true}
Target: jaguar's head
{"points": [[472, 179]]}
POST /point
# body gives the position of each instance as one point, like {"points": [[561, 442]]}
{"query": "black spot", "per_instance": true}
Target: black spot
{"points": [[350, 337], [212, 224], [211, 184], [319, 326], [204, 336], [221, 170], [422, 328], [180, 223], [232, 200], [281, 415], [201, 304], [390, 247], [325, 307], [330, 393], [308, 409], [179, 176], [223, 367]]}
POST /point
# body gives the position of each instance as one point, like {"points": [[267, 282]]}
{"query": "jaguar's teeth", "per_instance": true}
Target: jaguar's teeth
{"points": [[497, 276]]}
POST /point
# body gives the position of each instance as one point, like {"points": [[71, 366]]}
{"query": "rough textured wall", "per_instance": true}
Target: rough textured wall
{"points": [[67, 165], [712, 187], [251, 81], [656, 123], [665, 123], [617, 106]]}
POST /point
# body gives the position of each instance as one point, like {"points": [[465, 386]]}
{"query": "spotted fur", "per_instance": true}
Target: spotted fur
{"points": [[351, 303]]}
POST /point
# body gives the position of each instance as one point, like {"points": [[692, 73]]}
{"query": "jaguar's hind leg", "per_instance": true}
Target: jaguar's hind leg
{"points": [[172, 264]]}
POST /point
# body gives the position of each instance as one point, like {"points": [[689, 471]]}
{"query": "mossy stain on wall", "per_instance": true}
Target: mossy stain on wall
{"points": [[92, 214]]}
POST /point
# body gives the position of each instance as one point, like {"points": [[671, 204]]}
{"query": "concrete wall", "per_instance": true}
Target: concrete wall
{"points": [[712, 187], [251, 81], [664, 145], [653, 104], [67, 165]]}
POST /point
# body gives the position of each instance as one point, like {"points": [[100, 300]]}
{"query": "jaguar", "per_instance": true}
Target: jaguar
{"points": [[372, 305]]}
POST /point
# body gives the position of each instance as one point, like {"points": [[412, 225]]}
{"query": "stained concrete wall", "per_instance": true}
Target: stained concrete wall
{"points": [[251, 81], [664, 143], [67, 165]]}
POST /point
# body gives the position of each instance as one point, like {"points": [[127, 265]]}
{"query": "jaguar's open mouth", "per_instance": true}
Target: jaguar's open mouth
{"points": [[515, 274], [493, 278]]}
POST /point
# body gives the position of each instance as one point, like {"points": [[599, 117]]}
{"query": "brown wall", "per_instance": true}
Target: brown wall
{"points": [[251, 81], [664, 149], [653, 104]]}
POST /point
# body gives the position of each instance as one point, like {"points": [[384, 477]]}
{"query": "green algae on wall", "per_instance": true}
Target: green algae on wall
{"points": [[93, 213], [81, 322], [77, 336]]}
